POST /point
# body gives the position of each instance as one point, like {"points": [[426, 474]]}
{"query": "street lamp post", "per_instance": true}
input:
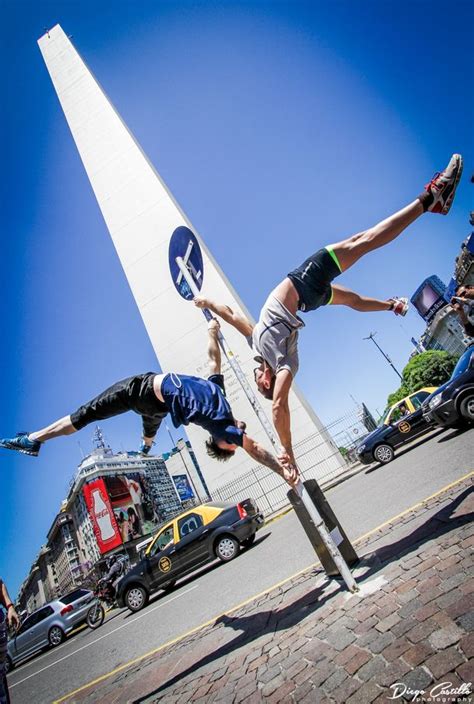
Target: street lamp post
{"points": [[371, 337]]}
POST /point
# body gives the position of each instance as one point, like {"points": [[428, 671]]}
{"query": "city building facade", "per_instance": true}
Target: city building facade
{"points": [[125, 493], [64, 551], [184, 469], [464, 270], [117, 499], [42, 583], [445, 332], [432, 300]]}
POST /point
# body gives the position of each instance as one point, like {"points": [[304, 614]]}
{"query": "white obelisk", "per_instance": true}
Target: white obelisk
{"points": [[141, 216]]}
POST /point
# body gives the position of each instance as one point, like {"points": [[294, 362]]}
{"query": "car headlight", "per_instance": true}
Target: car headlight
{"points": [[435, 401], [360, 449]]}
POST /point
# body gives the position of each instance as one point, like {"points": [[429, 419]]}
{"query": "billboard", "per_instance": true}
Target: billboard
{"points": [[105, 526], [183, 487], [132, 505], [429, 297], [121, 508]]}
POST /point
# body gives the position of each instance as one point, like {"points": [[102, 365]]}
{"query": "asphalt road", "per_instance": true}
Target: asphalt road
{"points": [[361, 503]]}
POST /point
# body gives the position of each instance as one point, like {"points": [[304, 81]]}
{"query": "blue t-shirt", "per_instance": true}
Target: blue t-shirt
{"points": [[191, 399]]}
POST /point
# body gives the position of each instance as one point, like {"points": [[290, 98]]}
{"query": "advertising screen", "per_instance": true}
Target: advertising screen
{"points": [[428, 301], [105, 526], [132, 505], [183, 487]]}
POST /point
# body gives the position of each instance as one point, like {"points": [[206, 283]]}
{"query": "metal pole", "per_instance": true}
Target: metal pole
{"points": [[371, 337], [299, 488]]}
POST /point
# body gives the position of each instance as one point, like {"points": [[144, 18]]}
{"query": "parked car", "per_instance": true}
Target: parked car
{"points": [[49, 625], [400, 423], [190, 540], [452, 404]]}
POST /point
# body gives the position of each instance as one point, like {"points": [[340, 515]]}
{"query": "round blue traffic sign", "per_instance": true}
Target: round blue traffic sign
{"points": [[183, 243]]}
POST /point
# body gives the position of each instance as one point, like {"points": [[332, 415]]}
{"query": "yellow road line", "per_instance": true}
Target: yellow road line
{"points": [[256, 596]]}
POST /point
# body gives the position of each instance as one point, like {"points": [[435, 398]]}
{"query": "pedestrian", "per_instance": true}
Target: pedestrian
{"points": [[463, 304], [8, 617], [188, 399], [275, 336]]}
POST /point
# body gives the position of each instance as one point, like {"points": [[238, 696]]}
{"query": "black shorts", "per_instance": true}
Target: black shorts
{"points": [[132, 394], [313, 279]]}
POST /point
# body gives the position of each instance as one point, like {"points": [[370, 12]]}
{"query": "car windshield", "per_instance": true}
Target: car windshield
{"points": [[463, 363], [383, 420]]}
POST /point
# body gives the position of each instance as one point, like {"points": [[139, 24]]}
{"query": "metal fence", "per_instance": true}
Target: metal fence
{"points": [[323, 456]]}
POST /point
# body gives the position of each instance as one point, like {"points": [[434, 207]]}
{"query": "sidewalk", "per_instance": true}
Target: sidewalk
{"points": [[310, 641]]}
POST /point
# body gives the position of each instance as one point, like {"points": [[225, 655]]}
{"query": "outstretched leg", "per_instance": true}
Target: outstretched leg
{"points": [[63, 426], [345, 297], [30, 443], [437, 197], [350, 250], [117, 399]]}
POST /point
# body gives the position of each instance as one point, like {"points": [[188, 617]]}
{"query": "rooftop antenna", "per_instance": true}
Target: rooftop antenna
{"points": [[98, 439]]}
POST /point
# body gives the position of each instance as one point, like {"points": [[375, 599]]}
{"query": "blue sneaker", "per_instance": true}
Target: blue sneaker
{"points": [[145, 449], [21, 443]]}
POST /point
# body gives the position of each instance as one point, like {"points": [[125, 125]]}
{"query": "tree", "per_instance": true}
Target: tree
{"points": [[397, 395], [431, 368]]}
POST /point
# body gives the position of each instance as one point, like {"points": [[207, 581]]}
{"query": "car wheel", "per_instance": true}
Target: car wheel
{"points": [[227, 548], [9, 665], [136, 597], [248, 541], [55, 636], [169, 586], [383, 454], [466, 408]]}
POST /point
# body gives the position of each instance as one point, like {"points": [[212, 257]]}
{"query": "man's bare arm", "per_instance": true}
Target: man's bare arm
{"points": [[238, 321], [261, 455], [281, 412], [5, 600], [213, 349]]}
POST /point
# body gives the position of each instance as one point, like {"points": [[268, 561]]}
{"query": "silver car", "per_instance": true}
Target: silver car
{"points": [[49, 625]]}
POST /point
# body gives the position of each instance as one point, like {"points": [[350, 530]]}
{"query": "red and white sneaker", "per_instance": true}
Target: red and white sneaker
{"points": [[399, 305], [443, 186]]}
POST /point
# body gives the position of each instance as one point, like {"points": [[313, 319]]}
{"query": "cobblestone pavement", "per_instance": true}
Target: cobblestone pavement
{"points": [[309, 641]]}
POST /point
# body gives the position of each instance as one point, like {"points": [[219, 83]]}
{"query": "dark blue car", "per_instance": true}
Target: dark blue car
{"points": [[452, 404]]}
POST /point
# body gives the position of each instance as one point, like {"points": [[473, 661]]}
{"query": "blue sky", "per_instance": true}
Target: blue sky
{"points": [[279, 127]]}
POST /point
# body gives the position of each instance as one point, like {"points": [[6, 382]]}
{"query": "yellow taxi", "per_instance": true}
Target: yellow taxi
{"points": [[190, 540], [400, 423]]}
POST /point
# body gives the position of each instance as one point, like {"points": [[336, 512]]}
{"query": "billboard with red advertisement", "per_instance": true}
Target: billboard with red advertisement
{"points": [[122, 508], [133, 505], [102, 516]]}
